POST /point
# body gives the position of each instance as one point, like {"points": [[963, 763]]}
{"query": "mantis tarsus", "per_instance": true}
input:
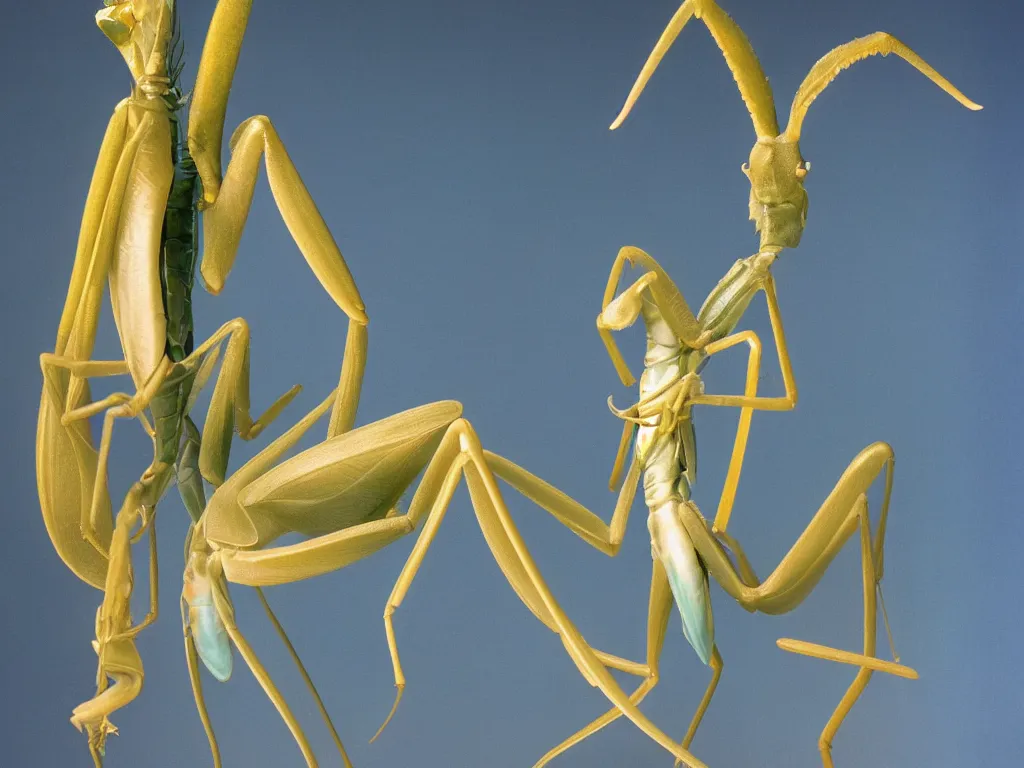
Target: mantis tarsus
{"points": [[137, 234]]}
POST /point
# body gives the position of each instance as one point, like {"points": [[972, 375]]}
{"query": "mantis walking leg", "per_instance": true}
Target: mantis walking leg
{"points": [[517, 564], [800, 570], [578, 519], [227, 616], [305, 676], [192, 660], [229, 408], [114, 645], [660, 607]]}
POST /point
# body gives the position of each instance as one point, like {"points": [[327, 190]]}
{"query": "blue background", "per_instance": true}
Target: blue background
{"points": [[460, 153]]}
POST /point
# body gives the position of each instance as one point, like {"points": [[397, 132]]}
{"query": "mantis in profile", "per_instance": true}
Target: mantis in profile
{"points": [[686, 549], [138, 233]]}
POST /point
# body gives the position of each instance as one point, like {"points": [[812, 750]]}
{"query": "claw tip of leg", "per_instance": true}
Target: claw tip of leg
{"points": [[391, 714]]}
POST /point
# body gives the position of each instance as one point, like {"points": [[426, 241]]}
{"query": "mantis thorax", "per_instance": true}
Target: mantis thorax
{"points": [[778, 201]]}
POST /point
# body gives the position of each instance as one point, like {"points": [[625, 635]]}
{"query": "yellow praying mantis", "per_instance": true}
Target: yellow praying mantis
{"points": [[138, 235], [686, 549]]}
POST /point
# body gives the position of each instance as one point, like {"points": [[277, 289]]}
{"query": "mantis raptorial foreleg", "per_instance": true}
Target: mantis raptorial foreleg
{"points": [[226, 201], [655, 286], [618, 312], [800, 570]]}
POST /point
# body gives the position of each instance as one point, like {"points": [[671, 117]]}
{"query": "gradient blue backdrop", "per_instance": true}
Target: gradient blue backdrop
{"points": [[460, 153]]}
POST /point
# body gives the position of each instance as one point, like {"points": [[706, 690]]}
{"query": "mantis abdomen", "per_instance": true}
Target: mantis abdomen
{"points": [[179, 248]]}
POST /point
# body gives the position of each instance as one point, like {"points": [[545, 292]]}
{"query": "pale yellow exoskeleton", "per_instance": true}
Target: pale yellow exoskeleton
{"points": [[687, 551], [120, 244], [778, 201]]}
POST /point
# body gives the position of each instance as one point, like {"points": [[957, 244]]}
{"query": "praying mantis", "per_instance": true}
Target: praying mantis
{"points": [[232, 533], [138, 234], [686, 550]]}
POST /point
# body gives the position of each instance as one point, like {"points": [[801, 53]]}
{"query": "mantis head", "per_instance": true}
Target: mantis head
{"points": [[776, 169], [141, 30], [778, 200]]}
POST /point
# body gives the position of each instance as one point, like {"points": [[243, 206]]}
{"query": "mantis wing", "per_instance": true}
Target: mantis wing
{"points": [[353, 478]]}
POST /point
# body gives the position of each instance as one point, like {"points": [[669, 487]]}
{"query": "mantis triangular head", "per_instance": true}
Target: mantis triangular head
{"points": [[776, 169], [141, 30]]}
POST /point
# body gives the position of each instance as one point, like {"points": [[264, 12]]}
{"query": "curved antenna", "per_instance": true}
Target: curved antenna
{"points": [[739, 55], [838, 59]]}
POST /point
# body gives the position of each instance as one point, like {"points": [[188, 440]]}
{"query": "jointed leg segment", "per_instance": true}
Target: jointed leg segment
{"points": [[792, 581], [517, 564], [458, 454]]}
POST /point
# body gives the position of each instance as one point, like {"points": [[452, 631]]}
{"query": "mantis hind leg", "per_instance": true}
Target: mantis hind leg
{"points": [[230, 409], [305, 676], [192, 660], [839, 517], [460, 452], [227, 615], [658, 612], [867, 661]]}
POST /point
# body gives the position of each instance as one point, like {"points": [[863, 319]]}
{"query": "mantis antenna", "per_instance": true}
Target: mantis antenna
{"points": [[739, 55], [841, 57]]}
